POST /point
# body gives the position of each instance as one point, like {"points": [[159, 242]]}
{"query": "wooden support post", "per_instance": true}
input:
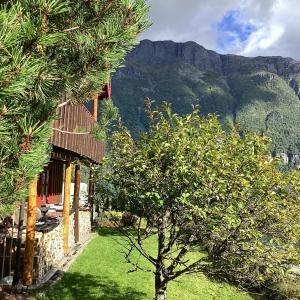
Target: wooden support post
{"points": [[76, 202], [66, 212], [30, 234], [95, 108], [109, 89]]}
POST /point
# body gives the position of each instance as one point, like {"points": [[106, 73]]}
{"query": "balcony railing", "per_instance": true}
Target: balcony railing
{"points": [[72, 131]]}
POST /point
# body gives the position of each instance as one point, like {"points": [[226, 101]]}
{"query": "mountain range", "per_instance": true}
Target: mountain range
{"points": [[262, 94]]}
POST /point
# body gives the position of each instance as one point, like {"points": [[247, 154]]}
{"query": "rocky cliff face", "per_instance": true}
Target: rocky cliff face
{"points": [[260, 93], [168, 52]]}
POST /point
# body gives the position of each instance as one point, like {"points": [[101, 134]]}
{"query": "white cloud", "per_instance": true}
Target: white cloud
{"points": [[266, 16], [263, 39], [277, 24], [187, 20]]}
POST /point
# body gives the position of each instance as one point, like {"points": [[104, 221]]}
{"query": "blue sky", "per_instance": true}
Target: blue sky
{"points": [[232, 30], [245, 27]]}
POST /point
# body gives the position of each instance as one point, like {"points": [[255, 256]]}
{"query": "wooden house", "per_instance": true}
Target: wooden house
{"points": [[51, 236]]}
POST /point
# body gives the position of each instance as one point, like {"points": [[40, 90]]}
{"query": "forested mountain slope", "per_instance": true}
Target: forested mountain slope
{"points": [[261, 93]]}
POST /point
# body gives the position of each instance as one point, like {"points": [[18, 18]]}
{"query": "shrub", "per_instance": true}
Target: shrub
{"points": [[288, 287], [128, 219], [109, 219]]}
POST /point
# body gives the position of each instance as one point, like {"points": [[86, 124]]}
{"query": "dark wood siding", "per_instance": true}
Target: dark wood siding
{"points": [[72, 131]]}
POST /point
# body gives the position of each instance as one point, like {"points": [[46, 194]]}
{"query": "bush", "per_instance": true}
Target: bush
{"points": [[116, 218], [109, 219], [288, 287], [128, 219]]}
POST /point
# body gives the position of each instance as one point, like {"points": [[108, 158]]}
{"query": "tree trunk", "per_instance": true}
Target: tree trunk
{"points": [[160, 280], [160, 288]]}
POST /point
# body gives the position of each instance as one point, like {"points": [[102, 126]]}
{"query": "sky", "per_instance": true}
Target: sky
{"points": [[244, 27]]}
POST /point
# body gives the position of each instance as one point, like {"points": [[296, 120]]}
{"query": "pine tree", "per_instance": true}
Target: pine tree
{"points": [[50, 48]]}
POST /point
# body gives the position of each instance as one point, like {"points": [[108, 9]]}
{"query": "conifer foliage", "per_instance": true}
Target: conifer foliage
{"points": [[51, 49]]}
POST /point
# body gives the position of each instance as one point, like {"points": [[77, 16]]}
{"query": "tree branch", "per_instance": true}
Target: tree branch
{"points": [[133, 241], [190, 269], [63, 104], [181, 254], [71, 29], [136, 266]]}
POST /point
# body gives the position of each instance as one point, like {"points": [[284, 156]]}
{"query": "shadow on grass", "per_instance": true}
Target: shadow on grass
{"points": [[108, 231], [87, 287], [114, 231]]}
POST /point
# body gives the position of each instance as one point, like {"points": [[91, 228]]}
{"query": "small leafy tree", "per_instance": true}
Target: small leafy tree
{"points": [[202, 191]]}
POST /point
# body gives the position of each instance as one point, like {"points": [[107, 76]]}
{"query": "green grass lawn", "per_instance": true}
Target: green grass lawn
{"points": [[101, 273]]}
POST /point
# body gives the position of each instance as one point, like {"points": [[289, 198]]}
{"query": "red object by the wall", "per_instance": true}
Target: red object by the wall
{"points": [[106, 92], [50, 184], [40, 198]]}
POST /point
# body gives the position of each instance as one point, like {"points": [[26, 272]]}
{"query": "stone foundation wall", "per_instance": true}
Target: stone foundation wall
{"points": [[71, 232], [49, 245], [84, 225]]}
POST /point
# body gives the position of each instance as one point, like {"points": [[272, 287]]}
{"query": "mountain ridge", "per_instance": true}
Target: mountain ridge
{"points": [[261, 93], [224, 59]]}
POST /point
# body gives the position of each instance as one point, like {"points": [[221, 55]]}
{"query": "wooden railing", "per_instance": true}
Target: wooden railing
{"points": [[72, 131]]}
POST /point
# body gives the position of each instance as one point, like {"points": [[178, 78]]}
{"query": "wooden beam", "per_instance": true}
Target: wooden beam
{"points": [[30, 234], [76, 202], [95, 108], [66, 212], [109, 89]]}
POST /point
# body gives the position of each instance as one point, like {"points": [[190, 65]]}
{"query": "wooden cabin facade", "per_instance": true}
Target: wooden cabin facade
{"points": [[51, 236], [72, 140]]}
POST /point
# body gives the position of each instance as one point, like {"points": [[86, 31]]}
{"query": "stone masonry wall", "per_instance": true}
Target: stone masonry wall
{"points": [[49, 247], [84, 225]]}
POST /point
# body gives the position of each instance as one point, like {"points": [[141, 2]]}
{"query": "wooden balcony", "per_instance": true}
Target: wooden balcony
{"points": [[72, 132]]}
